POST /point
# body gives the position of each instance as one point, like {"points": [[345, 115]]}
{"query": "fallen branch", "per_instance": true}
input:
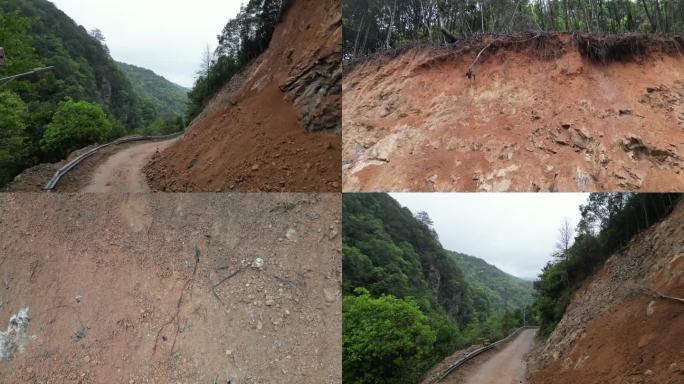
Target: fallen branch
{"points": [[470, 74], [213, 288]]}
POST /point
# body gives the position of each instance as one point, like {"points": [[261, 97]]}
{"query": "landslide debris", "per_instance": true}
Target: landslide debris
{"points": [[623, 326], [541, 112], [274, 127]]}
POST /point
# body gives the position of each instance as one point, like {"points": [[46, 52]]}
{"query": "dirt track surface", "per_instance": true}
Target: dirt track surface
{"points": [[143, 267], [503, 365], [122, 172], [415, 122]]}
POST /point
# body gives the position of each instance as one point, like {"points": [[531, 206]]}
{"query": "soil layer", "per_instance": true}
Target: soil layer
{"points": [[536, 115]]}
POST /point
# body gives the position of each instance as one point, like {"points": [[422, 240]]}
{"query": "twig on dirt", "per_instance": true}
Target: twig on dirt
{"points": [[174, 319], [653, 293], [213, 288]]}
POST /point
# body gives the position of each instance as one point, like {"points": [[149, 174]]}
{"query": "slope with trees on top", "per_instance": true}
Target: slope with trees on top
{"points": [[609, 221]]}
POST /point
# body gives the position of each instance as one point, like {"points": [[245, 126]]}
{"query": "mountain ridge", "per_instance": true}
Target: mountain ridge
{"points": [[506, 291]]}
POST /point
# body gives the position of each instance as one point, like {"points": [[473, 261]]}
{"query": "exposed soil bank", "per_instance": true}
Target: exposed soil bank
{"points": [[276, 127], [618, 328], [538, 115], [168, 288]]}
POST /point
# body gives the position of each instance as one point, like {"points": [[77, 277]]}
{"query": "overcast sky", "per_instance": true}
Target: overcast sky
{"points": [[166, 36], [516, 232]]}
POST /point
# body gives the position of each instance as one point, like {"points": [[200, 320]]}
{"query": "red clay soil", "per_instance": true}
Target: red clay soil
{"points": [[167, 288], [250, 137], [536, 117], [617, 329]]}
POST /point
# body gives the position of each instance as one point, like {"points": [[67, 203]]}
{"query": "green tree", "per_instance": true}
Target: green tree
{"points": [[385, 339], [75, 125], [13, 117], [16, 40]]}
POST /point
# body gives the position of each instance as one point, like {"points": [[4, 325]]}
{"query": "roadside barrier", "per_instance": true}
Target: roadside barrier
{"points": [[477, 352], [73, 163]]}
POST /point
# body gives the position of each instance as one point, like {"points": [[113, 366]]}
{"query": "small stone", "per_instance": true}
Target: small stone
{"points": [[291, 235], [648, 372], [86, 359], [258, 263], [259, 325], [255, 167], [269, 300], [330, 295], [78, 298], [651, 308], [229, 352]]}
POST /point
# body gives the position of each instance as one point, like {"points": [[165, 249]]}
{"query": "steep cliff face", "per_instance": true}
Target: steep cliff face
{"points": [[625, 325], [539, 113], [277, 125]]}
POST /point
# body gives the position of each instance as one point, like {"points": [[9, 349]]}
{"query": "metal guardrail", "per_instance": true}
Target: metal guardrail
{"points": [[478, 352], [73, 163]]}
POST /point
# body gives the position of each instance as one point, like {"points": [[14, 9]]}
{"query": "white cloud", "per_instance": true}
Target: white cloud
{"points": [[166, 36], [517, 232]]}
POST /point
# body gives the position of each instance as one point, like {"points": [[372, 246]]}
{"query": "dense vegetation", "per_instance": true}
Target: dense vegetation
{"points": [[373, 25], [504, 292], [168, 99], [35, 33], [609, 221], [406, 303], [243, 39]]}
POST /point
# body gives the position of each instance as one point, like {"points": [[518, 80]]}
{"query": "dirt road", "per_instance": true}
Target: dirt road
{"points": [[122, 172], [172, 288], [503, 365]]}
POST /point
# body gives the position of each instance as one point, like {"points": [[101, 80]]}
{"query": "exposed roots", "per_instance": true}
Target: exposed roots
{"points": [[547, 46], [623, 48]]}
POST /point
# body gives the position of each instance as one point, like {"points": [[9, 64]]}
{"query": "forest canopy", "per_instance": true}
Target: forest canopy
{"points": [[374, 25]]}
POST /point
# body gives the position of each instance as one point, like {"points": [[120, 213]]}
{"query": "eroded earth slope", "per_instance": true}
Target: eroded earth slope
{"points": [[537, 115], [625, 325], [275, 127]]}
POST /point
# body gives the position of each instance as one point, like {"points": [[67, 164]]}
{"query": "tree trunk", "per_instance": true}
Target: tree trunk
{"points": [[648, 15]]}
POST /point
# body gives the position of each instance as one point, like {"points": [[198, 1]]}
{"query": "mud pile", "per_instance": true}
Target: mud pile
{"points": [[623, 326], [539, 113], [275, 127]]}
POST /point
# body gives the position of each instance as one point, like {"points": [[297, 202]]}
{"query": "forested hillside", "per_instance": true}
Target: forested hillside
{"points": [[373, 25], [169, 99], [504, 292], [84, 81], [406, 302], [609, 221]]}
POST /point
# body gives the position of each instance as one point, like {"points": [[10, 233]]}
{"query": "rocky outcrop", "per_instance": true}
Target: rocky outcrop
{"points": [[315, 87]]}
